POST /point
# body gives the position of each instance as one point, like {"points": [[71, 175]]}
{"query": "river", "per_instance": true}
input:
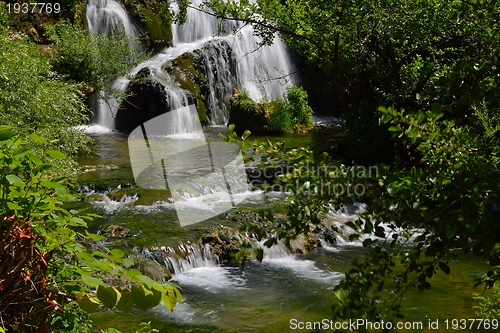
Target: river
{"points": [[264, 297]]}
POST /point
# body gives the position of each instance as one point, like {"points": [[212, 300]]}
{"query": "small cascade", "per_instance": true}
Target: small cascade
{"points": [[107, 17], [106, 106], [184, 257], [277, 251]]}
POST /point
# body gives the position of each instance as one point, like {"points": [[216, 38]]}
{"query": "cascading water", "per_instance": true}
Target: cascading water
{"points": [[106, 17], [233, 61], [263, 71]]}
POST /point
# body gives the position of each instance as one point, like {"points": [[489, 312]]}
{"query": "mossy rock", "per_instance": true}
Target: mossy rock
{"points": [[115, 231], [157, 33], [263, 118], [247, 114], [185, 72], [151, 268]]}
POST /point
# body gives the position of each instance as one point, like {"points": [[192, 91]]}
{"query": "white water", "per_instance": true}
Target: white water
{"points": [[106, 17], [230, 61], [258, 68]]}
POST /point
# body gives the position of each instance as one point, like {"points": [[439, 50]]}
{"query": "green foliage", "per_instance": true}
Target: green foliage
{"points": [[51, 267], [280, 120], [4, 18], [92, 59], [409, 54], [33, 98], [290, 114], [449, 193], [298, 107], [489, 306], [244, 102]]}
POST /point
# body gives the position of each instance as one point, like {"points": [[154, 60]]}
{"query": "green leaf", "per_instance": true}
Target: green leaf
{"points": [[91, 281], [116, 253], [126, 301], [87, 303], [146, 279], [368, 227], [170, 298], [108, 296], [19, 152], [14, 206], [37, 138], [6, 135], [452, 231], [77, 221], [144, 298], [393, 188], [133, 273], [13, 179], [86, 256], [56, 154], [34, 159], [445, 268], [259, 254], [95, 237], [341, 295]]}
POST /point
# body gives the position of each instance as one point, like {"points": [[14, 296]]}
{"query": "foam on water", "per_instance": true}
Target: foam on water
{"points": [[95, 129], [213, 279], [111, 206], [303, 268]]}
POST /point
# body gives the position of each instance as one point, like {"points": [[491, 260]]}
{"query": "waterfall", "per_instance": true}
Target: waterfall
{"points": [[265, 71], [183, 258], [228, 62], [106, 17]]}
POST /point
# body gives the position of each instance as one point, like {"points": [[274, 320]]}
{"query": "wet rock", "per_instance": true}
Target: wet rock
{"points": [[151, 268], [247, 114], [147, 100], [303, 243], [115, 231], [224, 242], [95, 197]]}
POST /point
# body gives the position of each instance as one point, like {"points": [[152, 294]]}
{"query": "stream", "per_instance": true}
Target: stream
{"points": [[266, 296], [263, 297]]}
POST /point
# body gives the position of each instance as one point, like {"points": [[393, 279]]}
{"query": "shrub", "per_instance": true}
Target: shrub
{"points": [[92, 59], [34, 99], [51, 267], [280, 120], [298, 107]]}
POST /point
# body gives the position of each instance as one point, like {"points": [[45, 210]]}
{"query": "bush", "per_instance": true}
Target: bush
{"points": [[34, 99], [92, 59], [51, 268], [280, 120], [297, 105]]}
